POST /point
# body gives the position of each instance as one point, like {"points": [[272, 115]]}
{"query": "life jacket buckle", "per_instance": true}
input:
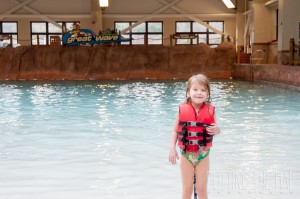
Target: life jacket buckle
{"points": [[192, 123], [190, 142]]}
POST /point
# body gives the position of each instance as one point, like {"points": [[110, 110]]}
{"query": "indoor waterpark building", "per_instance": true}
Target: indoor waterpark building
{"points": [[156, 39], [91, 92]]}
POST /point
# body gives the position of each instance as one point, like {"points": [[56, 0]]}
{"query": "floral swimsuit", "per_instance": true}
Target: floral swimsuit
{"points": [[195, 157]]}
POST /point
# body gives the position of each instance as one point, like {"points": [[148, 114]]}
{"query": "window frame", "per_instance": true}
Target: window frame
{"points": [[47, 33], [207, 33], [14, 35], [131, 34]]}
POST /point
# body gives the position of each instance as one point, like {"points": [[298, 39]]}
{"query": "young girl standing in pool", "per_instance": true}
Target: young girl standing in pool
{"points": [[194, 129]]}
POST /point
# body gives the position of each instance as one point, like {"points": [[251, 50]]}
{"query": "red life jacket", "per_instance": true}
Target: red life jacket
{"points": [[192, 135]]}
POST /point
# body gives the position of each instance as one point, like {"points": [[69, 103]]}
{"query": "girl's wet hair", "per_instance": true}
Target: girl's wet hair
{"points": [[203, 81]]}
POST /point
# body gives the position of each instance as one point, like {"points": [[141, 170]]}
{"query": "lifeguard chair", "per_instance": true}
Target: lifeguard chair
{"points": [[55, 41]]}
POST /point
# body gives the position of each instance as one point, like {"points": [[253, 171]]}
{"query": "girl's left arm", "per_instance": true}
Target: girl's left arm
{"points": [[214, 129]]}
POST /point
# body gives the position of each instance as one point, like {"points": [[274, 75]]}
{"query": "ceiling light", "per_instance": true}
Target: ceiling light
{"points": [[228, 3], [103, 3]]}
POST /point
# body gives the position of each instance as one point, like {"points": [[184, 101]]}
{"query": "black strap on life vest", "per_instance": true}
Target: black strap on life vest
{"points": [[186, 134], [195, 142], [191, 134], [195, 124]]}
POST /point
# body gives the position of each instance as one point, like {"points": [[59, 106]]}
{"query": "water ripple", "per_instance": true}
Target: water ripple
{"points": [[95, 139]]}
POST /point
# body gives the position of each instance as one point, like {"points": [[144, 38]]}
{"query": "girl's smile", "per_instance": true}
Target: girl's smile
{"points": [[197, 93]]}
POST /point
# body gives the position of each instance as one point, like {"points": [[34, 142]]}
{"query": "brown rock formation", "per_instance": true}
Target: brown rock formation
{"points": [[112, 62], [282, 74]]}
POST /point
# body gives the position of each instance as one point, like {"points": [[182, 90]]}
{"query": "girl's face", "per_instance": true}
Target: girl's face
{"points": [[198, 93]]}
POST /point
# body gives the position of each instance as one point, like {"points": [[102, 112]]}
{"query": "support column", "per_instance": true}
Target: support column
{"points": [[96, 17], [262, 29], [240, 21], [288, 25]]}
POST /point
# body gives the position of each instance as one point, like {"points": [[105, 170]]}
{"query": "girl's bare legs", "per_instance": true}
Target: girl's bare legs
{"points": [[187, 175], [202, 170]]}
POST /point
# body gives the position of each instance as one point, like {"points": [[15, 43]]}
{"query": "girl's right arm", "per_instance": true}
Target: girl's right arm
{"points": [[173, 153]]}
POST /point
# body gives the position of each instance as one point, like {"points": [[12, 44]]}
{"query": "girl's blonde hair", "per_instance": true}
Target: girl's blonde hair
{"points": [[203, 81]]}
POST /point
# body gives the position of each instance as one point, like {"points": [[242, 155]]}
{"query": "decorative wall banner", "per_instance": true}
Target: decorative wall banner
{"points": [[85, 36]]}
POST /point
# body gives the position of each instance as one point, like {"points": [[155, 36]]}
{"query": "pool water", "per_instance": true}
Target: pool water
{"points": [[110, 140]]}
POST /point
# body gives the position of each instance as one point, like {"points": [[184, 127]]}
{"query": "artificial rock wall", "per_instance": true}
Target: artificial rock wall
{"points": [[281, 75], [116, 62]]}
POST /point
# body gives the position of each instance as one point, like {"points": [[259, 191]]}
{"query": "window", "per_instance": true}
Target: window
{"points": [[204, 34], [11, 29], [183, 27], [39, 33], [42, 31], [147, 33]]}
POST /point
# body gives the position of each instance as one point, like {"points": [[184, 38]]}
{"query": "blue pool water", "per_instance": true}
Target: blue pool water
{"points": [[110, 140]]}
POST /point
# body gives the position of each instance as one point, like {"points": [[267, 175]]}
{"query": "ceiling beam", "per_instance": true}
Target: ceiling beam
{"points": [[16, 8], [271, 2], [43, 17], [194, 18], [48, 15], [223, 15], [147, 17]]}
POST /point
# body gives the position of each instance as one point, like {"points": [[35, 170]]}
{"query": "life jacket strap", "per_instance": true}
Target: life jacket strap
{"points": [[192, 134], [195, 142], [194, 124], [185, 133]]}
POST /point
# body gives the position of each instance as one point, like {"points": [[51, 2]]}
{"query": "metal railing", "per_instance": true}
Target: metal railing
{"points": [[258, 57]]}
